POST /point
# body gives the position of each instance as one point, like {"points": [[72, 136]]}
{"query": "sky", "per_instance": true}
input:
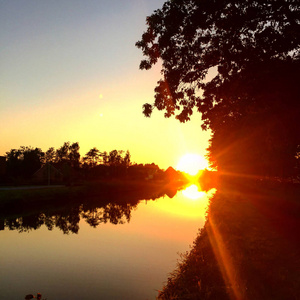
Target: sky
{"points": [[69, 71]]}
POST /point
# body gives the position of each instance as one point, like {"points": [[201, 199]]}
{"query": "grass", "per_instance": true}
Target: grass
{"points": [[248, 248]]}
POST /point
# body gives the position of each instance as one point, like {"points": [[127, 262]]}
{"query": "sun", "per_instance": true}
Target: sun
{"points": [[192, 163]]}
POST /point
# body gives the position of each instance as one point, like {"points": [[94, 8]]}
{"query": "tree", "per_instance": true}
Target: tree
{"points": [[117, 161], [50, 155], [105, 158], [33, 159], [93, 157], [69, 153], [62, 154], [127, 159], [13, 162], [263, 135], [23, 162], [250, 45], [115, 158], [74, 155]]}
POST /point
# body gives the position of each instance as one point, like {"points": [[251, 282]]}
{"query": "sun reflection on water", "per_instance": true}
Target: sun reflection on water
{"points": [[189, 203], [192, 192]]}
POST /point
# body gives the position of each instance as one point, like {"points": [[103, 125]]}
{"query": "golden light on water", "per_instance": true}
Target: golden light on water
{"points": [[192, 192], [188, 203], [192, 163]]}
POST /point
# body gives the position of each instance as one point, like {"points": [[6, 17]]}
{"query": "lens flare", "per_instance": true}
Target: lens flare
{"points": [[192, 163]]}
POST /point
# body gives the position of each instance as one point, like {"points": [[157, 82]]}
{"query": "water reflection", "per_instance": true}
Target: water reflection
{"points": [[67, 220], [129, 261], [96, 212], [112, 212], [193, 192], [189, 203]]}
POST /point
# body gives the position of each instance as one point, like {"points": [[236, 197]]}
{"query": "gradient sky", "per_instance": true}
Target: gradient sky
{"points": [[69, 71]]}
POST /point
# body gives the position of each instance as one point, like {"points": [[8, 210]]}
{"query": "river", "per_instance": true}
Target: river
{"points": [[127, 255]]}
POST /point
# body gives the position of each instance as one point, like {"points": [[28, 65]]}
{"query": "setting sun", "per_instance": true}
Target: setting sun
{"points": [[192, 163]]}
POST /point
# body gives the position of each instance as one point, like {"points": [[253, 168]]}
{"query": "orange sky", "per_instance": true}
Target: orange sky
{"points": [[70, 72]]}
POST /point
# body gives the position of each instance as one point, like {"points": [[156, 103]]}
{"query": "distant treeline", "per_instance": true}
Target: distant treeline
{"points": [[28, 165]]}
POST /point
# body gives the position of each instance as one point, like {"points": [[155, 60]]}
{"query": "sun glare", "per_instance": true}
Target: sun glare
{"points": [[192, 163], [192, 192]]}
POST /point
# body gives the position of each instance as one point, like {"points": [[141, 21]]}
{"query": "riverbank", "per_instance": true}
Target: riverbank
{"points": [[248, 249]]}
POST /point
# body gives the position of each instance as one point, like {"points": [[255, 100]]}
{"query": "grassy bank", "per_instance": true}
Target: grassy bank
{"points": [[248, 249]]}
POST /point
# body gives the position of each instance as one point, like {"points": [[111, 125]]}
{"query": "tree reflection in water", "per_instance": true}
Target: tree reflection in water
{"points": [[112, 212], [67, 216], [68, 220]]}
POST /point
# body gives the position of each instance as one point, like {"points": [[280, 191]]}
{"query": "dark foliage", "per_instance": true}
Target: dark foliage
{"points": [[253, 49], [23, 162]]}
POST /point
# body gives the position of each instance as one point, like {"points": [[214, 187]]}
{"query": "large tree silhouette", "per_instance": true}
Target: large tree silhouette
{"points": [[23, 162], [252, 102], [92, 158]]}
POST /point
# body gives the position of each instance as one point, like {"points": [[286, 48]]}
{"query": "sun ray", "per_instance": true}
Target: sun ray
{"points": [[225, 261]]}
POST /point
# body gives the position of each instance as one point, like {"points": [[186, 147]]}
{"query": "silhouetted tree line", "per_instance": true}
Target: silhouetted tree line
{"points": [[23, 163], [251, 103]]}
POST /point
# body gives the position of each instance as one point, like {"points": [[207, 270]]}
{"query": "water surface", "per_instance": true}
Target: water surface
{"points": [[127, 260]]}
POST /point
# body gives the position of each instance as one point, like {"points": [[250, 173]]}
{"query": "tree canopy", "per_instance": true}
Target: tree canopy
{"points": [[252, 48], [24, 161]]}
